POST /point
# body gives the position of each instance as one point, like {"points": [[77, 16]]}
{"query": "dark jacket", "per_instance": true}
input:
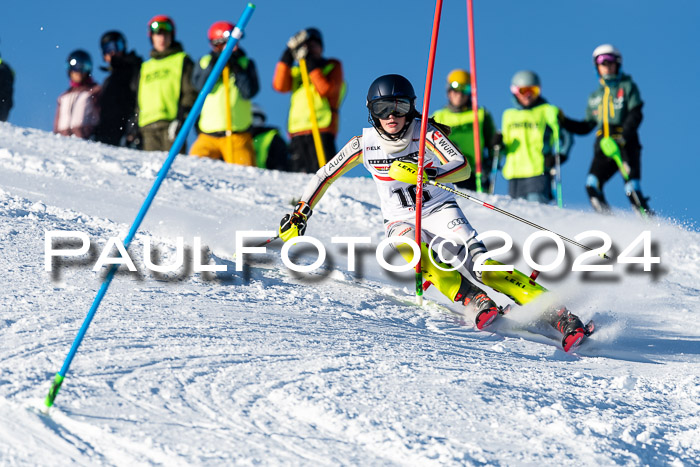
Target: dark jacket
{"points": [[244, 72], [118, 99], [7, 79]]}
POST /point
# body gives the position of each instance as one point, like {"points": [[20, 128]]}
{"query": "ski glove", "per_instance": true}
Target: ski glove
{"points": [[173, 129], [294, 224], [298, 39], [300, 53], [407, 172]]}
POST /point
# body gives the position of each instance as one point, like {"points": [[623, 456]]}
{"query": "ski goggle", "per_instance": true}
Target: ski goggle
{"points": [[161, 27], [222, 40], [533, 91], [113, 47], [80, 66], [605, 59], [383, 108], [463, 88]]}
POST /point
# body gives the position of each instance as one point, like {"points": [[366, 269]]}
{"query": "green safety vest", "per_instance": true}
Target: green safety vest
{"points": [[299, 112], [159, 88], [462, 125], [523, 139], [213, 116], [262, 143]]}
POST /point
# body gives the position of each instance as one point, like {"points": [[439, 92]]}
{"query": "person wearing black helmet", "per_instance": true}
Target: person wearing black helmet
{"points": [[614, 109], [7, 80], [389, 151], [77, 112], [117, 124], [393, 138], [328, 90], [166, 94]]}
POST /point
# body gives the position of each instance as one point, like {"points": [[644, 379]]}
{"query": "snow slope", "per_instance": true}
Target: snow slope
{"points": [[333, 367]]}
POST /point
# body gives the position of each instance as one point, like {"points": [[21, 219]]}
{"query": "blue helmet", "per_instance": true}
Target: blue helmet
{"points": [[79, 60]]}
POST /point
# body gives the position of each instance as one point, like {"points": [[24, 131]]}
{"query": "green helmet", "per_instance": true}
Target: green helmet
{"points": [[525, 78]]}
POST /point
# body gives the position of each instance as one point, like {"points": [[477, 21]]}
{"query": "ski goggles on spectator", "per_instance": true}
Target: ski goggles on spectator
{"points": [[605, 59], [221, 40], [533, 91], [112, 47], [161, 27], [463, 88], [76, 65], [383, 108]]}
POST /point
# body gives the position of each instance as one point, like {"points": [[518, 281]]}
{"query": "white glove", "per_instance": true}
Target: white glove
{"points": [[300, 53], [172, 129], [297, 39]]}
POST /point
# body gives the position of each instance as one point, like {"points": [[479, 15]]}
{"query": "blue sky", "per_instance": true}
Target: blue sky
{"points": [[372, 38]]}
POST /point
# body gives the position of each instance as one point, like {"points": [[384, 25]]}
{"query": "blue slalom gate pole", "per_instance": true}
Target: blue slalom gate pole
{"points": [[236, 35]]}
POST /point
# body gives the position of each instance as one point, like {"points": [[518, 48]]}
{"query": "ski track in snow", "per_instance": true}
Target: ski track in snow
{"points": [[271, 367]]}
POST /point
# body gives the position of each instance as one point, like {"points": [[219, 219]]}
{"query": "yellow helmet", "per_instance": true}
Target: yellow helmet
{"points": [[459, 80]]}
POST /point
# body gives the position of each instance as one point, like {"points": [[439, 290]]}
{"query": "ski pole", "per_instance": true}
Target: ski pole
{"points": [[269, 240], [475, 100], [236, 35], [421, 150], [227, 102], [315, 133], [611, 149], [494, 168], [512, 216]]}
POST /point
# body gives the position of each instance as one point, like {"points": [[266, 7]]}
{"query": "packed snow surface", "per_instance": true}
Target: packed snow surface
{"points": [[270, 366]]}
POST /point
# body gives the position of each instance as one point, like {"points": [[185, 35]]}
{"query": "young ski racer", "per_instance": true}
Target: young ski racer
{"points": [[390, 147]]}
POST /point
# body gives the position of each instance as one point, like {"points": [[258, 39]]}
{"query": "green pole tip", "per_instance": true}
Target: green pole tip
{"points": [[53, 392]]}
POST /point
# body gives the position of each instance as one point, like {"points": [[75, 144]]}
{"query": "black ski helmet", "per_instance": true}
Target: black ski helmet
{"points": [[314, 35], [79, 60], [112, 37], [387, 87], [390, 86]]}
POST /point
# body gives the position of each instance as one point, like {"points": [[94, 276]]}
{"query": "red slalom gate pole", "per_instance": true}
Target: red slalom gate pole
{"points": [[475, 100], [421, 150]]}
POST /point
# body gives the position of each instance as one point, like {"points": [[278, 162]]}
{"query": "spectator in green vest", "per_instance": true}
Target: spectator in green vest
{"points": [[224, 133], [7, 80], [531, 138], [166, 93], [458, 115], [270, 148]]}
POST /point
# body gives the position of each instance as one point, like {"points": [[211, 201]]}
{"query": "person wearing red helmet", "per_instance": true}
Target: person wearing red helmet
{"points": [[328, 89], [224, 133], [165, 94]]}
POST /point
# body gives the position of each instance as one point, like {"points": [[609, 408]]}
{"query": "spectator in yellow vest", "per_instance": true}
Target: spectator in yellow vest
{"points": [[166, 93], [270, 148], [328, 89], [224, 130], [458, 115], [531, 139]]}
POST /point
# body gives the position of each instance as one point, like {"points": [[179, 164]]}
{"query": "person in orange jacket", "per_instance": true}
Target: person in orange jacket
{"points": [[328, 89]]}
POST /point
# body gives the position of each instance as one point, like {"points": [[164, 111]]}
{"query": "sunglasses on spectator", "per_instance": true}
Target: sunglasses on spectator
{"points": [[383, 108], [463, 88], [526, 90], [221, 40], [161, 27]]}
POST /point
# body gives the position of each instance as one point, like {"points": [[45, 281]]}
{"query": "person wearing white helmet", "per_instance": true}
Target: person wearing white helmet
{"points": [[531, 139], [614, 109]]}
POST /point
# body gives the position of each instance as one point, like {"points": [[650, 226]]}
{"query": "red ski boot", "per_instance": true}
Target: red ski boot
{"points": [[471, 295]]}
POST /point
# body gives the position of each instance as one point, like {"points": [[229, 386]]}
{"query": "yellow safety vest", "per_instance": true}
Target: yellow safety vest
{"points": [[462, 125], [299, 112], [159, 88], [213, 116], [523, 138]]}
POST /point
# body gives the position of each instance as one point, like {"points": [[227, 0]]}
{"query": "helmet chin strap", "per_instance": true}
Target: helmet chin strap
{"points": [[396, 136]]}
